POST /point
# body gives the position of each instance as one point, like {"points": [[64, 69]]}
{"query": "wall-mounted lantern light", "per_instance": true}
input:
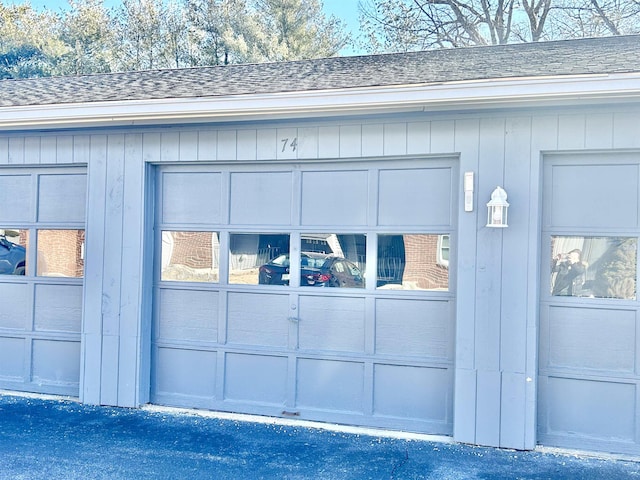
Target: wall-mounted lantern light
{"points": [[497, 209]]}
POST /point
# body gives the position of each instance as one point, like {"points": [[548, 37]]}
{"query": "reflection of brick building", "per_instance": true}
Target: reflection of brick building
{"points": [[192, 249], [424, 266], [60, 253]]}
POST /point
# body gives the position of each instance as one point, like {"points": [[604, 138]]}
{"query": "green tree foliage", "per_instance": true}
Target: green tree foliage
{"points": [[404, 25], [30, 43], [152, 34], [85, 32]]}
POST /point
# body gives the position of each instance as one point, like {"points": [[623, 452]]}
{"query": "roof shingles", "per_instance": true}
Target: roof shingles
{"points": [[568, 57]]}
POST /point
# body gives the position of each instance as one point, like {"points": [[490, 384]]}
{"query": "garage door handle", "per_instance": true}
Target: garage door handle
{"points": [[293, 319]]}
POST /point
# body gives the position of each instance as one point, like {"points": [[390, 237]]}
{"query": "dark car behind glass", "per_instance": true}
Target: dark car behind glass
{"points": [[12, 257], [316, 269]]}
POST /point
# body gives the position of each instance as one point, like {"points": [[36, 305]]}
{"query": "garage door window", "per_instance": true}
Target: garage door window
{"points": [[597, 267], [14, 247], [190, 256], [60, 253], [413, 262], [259, 258], [333, 260]]}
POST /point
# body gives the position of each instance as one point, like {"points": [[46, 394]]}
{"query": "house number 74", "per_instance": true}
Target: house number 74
{"points": [[289, 144]]}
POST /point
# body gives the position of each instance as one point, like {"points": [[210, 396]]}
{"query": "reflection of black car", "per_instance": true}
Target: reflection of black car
{"points": [[12, 257], [316, 269]]}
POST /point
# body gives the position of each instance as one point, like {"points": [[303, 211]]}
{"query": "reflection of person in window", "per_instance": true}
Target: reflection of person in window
{"points": [[569, 269]]}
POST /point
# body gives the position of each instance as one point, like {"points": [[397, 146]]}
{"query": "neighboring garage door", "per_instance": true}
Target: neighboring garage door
{"points": [[589, 316], [42, 218], [318, 291]]}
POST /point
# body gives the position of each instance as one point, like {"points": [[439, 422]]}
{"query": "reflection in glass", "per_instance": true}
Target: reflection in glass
{"points": [[60, 253], [413, 262], [190, 256], [13, 251], [597, 267], [333, 260], [251, 254]]}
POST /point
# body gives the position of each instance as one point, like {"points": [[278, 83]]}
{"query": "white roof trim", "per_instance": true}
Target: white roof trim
{"points": [[562, 90]]}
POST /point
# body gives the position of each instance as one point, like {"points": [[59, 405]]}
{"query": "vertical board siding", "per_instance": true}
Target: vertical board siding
{"points": [[64, 149], [350, 141], [464, 138], [81, 148], [489, 246], [599, 131], [112, 269], [571, 131], [517, 248], [32, 150], [445, 136], [227, 145], [395, 139], [308, 138], [626, 130], [16, 150], [329, 142], [287, 144], [91, 347], [418, 138], [188, 146], [488, 295], [133, 279], [207, 145], [247, 144], [170, 146], [372, 140], [4, 150], [49, 149]]}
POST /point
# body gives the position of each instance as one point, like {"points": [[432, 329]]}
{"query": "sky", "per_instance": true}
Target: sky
{"points": [[345, 10]]}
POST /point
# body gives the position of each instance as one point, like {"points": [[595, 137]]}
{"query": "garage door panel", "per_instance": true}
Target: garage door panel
{"points": [[12, 358], [594, 196], [412, 392], [184, 372], [188, 315], [184, 194], [588, 337], [333, 324], [331, 353], [413, 327], [58, 308], [425, 197], [602, 339], [62, 198], [261, 198], [257, 319], [56, 362], [16, 198], [335, 198], [610, 408], [256, 378], [15, 299], [330, 385]]}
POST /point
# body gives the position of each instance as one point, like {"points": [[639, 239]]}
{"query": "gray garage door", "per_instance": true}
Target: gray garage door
{"points": [[319, 291], [42, 217], [589, 322]]}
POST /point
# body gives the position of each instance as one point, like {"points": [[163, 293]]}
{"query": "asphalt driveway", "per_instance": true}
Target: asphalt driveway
{"points": [[44, 438]]}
